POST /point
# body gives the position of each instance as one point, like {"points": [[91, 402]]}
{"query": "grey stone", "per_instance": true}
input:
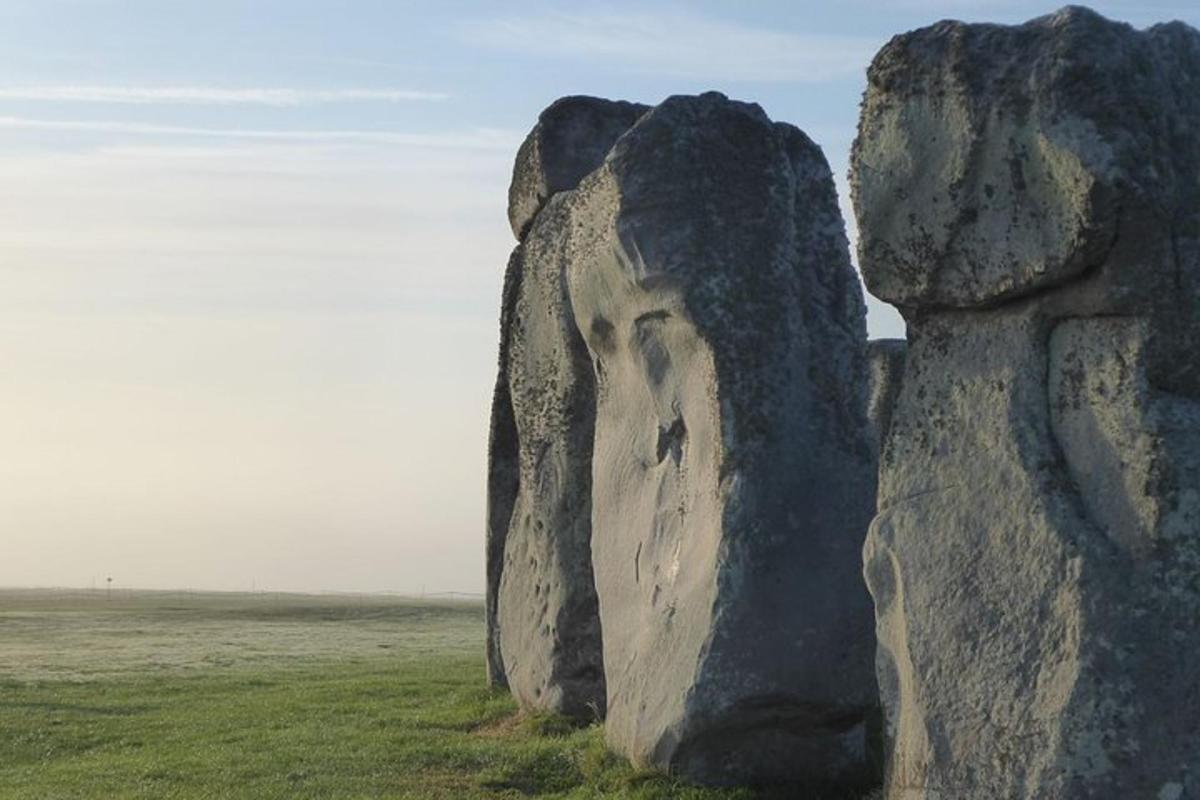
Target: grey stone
{"points": [[885, 364], [992, 161], [1035, 558], [733, 472], [543, 638], [503, 477], [571, 138], [546, 615]]}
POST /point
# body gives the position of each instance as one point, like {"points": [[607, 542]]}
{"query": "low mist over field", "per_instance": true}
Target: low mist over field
{"points": [[270, 695]]}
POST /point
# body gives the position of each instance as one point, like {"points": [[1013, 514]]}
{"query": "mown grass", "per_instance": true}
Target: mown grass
{"points": [[372, 722]]}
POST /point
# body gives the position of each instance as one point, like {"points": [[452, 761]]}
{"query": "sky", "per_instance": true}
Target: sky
{"points": [[251, 255]]}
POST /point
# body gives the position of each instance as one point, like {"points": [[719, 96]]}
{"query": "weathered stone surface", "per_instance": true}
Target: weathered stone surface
{"points": [[503, 480], [544, 638], [1035, 559], [885, 371], [549, 627], [992, 162], [733, 475], [571, 138]]}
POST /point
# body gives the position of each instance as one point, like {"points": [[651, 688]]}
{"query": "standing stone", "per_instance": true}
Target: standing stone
{"points": [[544, 638], [733, 474], [1030, 198]]}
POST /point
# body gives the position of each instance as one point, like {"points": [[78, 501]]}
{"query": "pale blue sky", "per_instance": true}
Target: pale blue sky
{"points": [[250, 259]]}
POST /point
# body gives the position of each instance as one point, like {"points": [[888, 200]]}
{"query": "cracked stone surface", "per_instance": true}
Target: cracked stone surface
{"points": [[1029, 197], [734, 470], [544, 639]]}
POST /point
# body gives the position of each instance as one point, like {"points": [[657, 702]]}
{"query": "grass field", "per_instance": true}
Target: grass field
{"points": [[193, 695]]}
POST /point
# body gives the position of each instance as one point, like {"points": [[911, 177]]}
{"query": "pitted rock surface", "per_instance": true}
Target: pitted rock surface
{"points": [[544, 639], [733, 471], [996, 161], [571, 138], [1029, 198]]}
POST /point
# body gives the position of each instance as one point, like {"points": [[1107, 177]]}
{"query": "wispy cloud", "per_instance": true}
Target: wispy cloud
{"points": [[678, 45], [202, 95], [476, 139]]}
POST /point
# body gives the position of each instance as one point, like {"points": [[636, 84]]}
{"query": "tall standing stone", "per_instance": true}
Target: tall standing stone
{"points": [[733, 471], [544, 638], [1029, 197]]}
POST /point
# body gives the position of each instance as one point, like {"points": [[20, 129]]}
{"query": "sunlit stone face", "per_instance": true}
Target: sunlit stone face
{"points": [[658, 457], [732, 474]]}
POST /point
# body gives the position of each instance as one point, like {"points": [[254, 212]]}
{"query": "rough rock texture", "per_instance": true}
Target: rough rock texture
{"points": [[503, 472], [885, 365], [733, 475], [1028, 196], [571, 138], [544, 638], [994, 161]]}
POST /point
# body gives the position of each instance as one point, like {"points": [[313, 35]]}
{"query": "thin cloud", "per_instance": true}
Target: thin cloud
{"points": [[201, 95], [678, 45], [477, 139]]}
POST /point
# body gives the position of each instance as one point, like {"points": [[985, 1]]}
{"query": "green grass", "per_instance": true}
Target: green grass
{"points": [[307, 698]]}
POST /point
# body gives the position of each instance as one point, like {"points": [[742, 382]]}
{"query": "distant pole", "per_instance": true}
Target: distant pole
{"points": [[109, 595]]}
